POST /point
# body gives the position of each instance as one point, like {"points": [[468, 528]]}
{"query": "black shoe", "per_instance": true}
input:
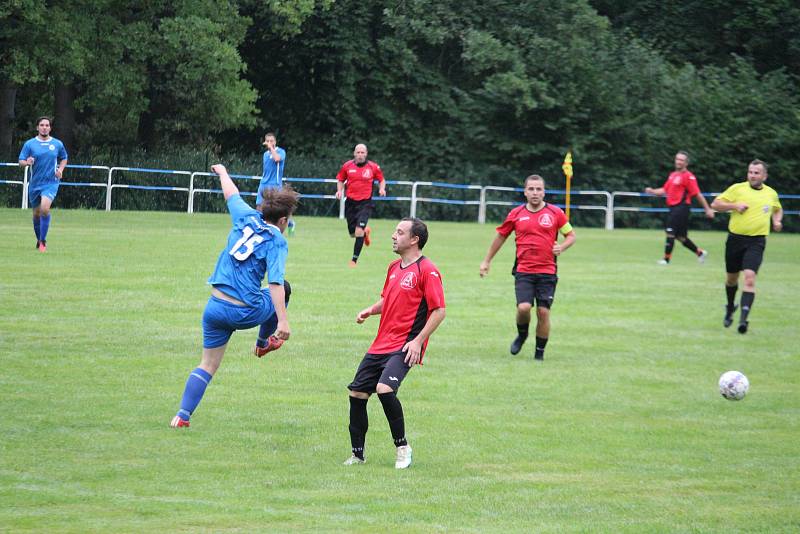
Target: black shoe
{"points": [[538, 356], [728, 320], [743, 327], [516, 345], [37, 244]]}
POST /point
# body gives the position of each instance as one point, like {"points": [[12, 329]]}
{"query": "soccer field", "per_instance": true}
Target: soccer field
{"points": [[620, 429]]}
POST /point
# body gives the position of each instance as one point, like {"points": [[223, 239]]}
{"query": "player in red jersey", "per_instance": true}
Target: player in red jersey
{"points": [[680, 188], [536, 225], [411, 308], [359, 174]]}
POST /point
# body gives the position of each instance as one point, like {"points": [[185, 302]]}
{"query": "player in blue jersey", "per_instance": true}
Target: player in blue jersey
{"points": [[273, 164], [47, 158], [256, 248]]}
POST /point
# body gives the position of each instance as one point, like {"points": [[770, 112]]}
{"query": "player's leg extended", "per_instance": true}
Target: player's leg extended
{"points": [[731, 286], [523, 324], [359, 242], [37, 225], [748, 296], [359, 424], [196, 384], [542, 330], [44, 219], [390, 380], [265, 342]]}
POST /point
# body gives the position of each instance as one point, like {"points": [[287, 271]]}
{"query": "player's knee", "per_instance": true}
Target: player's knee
{"points": [[44, 211], [542, 313], [383, 388], [359, 394], [524, 307]]}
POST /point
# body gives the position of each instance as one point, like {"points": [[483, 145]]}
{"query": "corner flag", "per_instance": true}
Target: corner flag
{"points": [[567, 168]]}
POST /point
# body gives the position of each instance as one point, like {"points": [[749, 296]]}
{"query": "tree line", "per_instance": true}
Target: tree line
{"points": [[465, 91]]}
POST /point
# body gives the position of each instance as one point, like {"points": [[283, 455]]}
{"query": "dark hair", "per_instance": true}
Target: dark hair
{"points": [[270, 134], [684, 153], [279, 203], [418, 229], [43, 117], [759, 162], [535, 177]]}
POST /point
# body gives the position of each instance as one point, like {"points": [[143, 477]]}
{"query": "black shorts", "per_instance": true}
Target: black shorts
{"points": [[357, 213], [389, 369], [744, 252], [538, 288], [678, 220]]}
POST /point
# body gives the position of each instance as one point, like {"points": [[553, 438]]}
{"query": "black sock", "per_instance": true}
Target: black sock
{"points": [[690, 245], [357, 246], [730, 291], [746, 303], [394, 414], [541, 343], [359, 423], [668, 246], [522, 330]]}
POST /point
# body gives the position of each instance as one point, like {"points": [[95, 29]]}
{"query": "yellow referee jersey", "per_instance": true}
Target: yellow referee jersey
{"points": [[760, 204]]}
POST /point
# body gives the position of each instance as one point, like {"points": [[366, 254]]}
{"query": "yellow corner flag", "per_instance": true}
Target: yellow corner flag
{"points": [[567, 168]]}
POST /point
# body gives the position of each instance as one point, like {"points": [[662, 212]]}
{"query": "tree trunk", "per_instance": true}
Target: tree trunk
{"points": [[8, 97], [64, 120]]}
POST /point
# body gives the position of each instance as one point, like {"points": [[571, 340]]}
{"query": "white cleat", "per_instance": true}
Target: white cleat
{"points": [[702, 257], [663, 262], [354, 460], [403, 457]]}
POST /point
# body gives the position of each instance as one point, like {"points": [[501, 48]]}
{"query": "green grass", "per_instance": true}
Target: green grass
{"points": [[620, 430]]}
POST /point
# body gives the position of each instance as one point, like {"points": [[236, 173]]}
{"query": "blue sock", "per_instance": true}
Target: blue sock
{"points": [[195, 388], [44, 225], [266, 329], [36, 227]]}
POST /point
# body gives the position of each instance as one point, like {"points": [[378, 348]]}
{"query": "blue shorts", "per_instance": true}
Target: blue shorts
{"points": [[36, 192], [221, 318], [261, 188]]}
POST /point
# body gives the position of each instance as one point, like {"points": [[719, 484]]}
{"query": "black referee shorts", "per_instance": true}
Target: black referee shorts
{"points": [[389, 369], [535, 288], [678, 220], [357, 213], [744, 252]]}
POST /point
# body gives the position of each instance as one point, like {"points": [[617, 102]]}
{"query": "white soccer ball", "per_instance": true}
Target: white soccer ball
{"points": [[733, 385]]}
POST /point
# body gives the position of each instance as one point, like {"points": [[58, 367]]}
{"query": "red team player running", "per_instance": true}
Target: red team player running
{"points": [[359, 174], [536, 225], [411, 308], [680, 188]]}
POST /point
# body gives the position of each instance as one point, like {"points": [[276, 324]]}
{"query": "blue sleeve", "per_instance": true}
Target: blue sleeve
{"points": [[62, 152], [25, 153], [238, 208], [264, 160], [276, 261]]}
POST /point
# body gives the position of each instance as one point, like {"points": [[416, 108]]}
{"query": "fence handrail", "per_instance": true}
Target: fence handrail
{"points": [[609, 206]]}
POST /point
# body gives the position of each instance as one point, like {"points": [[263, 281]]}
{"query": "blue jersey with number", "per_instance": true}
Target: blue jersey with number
{"points": [[255, 249], [272, 172], [46, 155]]}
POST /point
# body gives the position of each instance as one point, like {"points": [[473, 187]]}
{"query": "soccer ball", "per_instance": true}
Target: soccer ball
{"points": [[733, 385]]}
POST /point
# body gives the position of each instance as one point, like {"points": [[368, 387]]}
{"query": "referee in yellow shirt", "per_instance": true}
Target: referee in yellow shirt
{"points": [[752, 205]]}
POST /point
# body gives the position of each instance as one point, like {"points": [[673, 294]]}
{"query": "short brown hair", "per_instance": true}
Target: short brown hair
{"points": [[279, 203], [418, 229], [535, 177], [759, 162], [43, 117]]}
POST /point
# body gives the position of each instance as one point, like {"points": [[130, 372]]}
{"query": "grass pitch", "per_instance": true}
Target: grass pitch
{"points": [[621, 429]]}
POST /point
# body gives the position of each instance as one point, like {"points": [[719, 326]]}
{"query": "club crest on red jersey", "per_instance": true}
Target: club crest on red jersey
{"points": [[367, 173], [409, 281], [546, 220]]}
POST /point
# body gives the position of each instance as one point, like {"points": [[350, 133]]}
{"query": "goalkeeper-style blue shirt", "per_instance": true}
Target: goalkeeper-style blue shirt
{"points": [[272, 173], [46, 155], [255, 249]]}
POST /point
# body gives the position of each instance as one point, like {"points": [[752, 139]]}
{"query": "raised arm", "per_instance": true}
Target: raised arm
{"points": [[228, 187]]}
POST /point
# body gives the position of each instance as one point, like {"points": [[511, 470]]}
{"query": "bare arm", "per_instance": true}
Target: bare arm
{"points": [[413, 348], [658, 191], [704, 203], [777, 219], [228, 187], [498, 242], [382, 187], [60, 170], [569, 239], [278, 294], [339, 189], [26, 162], [722, 205], [375, 309], [276, 156]]}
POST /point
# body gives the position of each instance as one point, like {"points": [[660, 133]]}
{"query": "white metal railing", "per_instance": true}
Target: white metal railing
{"points": [[480, 196]]}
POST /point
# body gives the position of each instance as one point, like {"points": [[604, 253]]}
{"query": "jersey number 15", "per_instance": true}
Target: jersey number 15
{"points": [[249, 240]]}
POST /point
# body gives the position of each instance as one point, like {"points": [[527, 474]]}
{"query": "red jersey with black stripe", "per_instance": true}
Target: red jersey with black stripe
{"points": [[536, 232], [681, 187], [359, 178], [409, 296]]}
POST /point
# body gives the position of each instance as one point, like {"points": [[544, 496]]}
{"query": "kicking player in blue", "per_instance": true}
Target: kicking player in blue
{"points": [[273, 164], [47, 157], [256, 248]]}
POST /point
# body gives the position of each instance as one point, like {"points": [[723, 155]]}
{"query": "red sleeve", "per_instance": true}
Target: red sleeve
{"points": [[507, 227], [378, 172], [434, 291], [691, 186], [342, 176], [561, 220]]}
